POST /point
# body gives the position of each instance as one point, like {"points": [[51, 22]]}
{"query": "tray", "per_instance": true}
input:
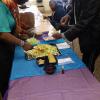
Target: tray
{"points": [[49, 38], [41, 61], [29, 56], [44, 61]]}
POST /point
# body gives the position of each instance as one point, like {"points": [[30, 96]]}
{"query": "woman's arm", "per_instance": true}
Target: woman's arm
{"points": [[12, 39]]}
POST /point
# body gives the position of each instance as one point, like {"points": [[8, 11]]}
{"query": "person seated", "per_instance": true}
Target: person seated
{"points": [[57, 13]]}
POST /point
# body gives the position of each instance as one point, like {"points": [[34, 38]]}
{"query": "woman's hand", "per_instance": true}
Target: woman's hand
{"points": [[64, 20], [27, 46], [57, 36]]}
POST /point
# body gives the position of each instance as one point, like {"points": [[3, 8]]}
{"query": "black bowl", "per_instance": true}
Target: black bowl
{"points": [[50, 69]]}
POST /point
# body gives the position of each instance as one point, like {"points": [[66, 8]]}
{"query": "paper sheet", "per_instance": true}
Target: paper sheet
{"points": [[67, 60], [63, 45]]}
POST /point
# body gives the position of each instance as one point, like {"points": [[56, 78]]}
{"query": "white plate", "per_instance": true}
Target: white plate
{"points": [[48, 38]]}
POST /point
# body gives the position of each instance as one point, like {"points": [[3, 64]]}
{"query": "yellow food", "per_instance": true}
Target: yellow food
{"points": [[51, 58], [40, 61], [32, 41], [42, 50]]}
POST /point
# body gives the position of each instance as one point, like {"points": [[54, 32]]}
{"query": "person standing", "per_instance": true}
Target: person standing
{"points": [[86, 28], [67, 4], [57, 8], [21, 26], [7, 43]]}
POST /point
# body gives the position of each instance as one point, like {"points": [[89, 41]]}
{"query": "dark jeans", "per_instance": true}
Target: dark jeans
{"points": [[90, 57], [6, 58]]}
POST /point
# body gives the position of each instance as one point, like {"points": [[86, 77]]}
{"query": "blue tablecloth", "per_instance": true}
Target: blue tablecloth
{"points": [[23, 68]]}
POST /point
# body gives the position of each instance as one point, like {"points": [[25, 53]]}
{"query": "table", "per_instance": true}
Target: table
{"points": [[77, 84], [73, 85]]}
